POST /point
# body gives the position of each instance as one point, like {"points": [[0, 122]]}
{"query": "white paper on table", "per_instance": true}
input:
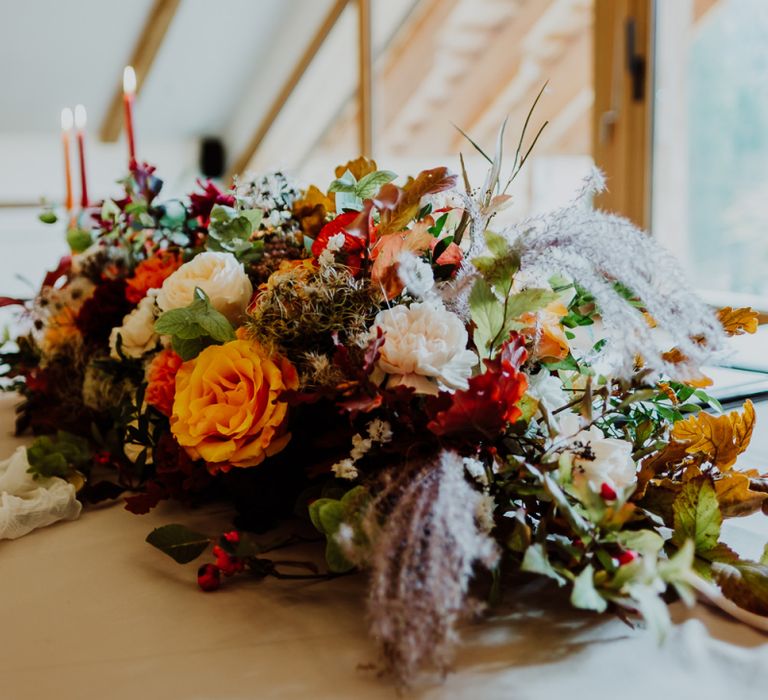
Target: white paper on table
{"points": [[26, 503]]}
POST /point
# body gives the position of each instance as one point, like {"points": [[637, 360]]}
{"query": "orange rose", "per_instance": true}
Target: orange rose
{"points": [[226, 410], [161, 381], [150, 274], [545, 326]]}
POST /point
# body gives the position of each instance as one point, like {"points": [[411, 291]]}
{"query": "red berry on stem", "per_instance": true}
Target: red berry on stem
{"points": [[208, 577], [626, 557]]}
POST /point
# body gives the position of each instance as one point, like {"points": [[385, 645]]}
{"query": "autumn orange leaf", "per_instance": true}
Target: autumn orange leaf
{"points": [[738, 321], [735, 496], [720, 438], [676, 357], [359, 167]]}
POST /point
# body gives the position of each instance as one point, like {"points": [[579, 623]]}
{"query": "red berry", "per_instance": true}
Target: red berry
{"points": [[626, 557], [228, 564], [607, 492], [208, 577]]}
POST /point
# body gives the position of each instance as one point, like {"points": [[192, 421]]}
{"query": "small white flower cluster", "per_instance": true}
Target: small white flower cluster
{"points": [[275, 194], [379, 432]]}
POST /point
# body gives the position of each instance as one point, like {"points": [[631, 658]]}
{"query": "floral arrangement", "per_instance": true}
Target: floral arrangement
{"points": [[452, 408]]}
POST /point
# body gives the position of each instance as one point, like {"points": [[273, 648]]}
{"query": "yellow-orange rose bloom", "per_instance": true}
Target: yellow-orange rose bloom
{"points": [[226, 410]]}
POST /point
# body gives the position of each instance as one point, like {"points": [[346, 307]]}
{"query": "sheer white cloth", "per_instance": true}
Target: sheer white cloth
{"points": [[27, 503]]}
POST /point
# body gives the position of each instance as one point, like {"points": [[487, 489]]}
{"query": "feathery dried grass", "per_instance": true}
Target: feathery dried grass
{"points": [[596, 250], [426, 542]]}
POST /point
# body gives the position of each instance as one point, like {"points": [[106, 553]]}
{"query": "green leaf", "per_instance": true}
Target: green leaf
{"points": [[187, 349], [487, 314], [346, 183], [536, 562], [653, 609], [178, 542], [78, 240], [528, 301], [314, 513], [697, 515], [371, 183], [193, 326], [646, 542], [331, 516], [497, 244], [764, 558], [584, 594], [48, 217], [254, 217], [334, 557], [109, 210]]}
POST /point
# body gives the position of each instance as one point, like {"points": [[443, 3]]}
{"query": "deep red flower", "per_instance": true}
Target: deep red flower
{"points": [[201, 203], [490, 403], [209, 577], [353, 251], [103, 311]]}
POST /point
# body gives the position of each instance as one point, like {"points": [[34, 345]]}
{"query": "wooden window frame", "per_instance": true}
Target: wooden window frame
{"points": [[623, 108]]}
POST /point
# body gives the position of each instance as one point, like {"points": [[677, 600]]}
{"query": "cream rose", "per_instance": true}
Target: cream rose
{"points": [[219, 275], [611, 466], [425, 347], [137, 334]]}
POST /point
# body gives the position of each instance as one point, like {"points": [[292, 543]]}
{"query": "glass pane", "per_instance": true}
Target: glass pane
{"points": [[710, 192], [471, 64]]}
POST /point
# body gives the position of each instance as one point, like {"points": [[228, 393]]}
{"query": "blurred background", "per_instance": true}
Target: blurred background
{"points": [[669, 98]]}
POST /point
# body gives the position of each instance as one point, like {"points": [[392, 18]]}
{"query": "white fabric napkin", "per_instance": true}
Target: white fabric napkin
{"points": [[27, 503]]}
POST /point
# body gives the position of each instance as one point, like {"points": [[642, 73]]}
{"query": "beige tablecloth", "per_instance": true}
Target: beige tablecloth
{"points": [[89, 611]]}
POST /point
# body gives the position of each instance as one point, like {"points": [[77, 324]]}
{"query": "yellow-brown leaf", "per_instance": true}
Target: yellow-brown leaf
{"points": [[676, 357], [735, 496], [359, 167], [738, 321], [720, 438]]}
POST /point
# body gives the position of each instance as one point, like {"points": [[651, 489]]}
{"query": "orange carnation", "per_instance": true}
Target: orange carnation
{"points": [[227, 409], [161, 381], [61, 329], [150, 274]]}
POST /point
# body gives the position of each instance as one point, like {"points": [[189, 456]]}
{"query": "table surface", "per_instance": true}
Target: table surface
{"points": [[89, 610]]}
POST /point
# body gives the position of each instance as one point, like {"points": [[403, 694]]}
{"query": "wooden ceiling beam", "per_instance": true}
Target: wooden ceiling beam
{"points": [[151, 38], [245, 157]]}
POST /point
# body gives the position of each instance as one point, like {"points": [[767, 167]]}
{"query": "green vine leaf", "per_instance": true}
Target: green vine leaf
{"points": [[178, 542]]}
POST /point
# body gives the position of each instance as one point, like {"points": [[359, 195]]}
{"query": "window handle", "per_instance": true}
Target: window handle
{"points": [[636, 64]]}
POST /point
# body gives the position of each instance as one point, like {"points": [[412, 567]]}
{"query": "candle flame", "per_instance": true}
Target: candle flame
{"points": [[67, 120], [80, 117], [129, 80]]}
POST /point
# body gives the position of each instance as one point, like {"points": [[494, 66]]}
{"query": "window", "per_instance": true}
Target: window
{"points": [[710, 149]]}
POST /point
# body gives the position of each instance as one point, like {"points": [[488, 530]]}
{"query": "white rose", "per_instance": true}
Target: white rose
{"points": [[425, 347], [137, 333], [219, 275], [612, 464], [547, 389]]}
